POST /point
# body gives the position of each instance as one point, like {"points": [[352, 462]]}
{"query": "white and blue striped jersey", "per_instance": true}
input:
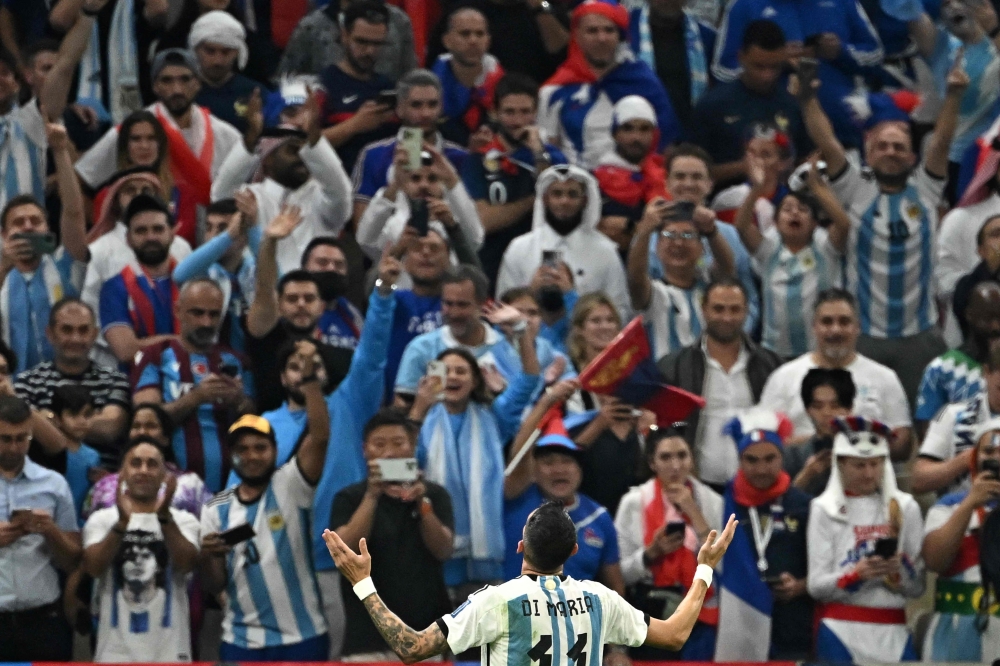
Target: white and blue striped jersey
{"points": [[544, 621], [272, 597], [791, 282], [22, 153], [673, 317], [890, 251]]}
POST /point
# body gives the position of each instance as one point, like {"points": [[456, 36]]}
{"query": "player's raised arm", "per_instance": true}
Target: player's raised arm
{"points": [[671, 634], [411, 645]]}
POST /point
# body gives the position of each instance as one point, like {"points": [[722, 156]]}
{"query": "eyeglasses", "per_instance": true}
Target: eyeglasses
{"points": [[679, 235]]}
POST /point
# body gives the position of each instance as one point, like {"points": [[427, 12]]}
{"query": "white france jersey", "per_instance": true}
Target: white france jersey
{"points": [[272, 597], [890, 251], [544, 620]]}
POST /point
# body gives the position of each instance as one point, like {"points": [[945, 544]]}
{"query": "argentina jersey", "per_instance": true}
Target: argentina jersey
{"points": [[272, 598], [544, 620], [890, 252], [673, 317]]}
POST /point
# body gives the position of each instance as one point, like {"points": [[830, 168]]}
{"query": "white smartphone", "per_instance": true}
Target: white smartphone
{"points": [[438, 369], [398, 470], [413, 143]]}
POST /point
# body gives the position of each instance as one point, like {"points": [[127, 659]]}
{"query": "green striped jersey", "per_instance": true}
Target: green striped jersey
{"points": [[544, 621]]}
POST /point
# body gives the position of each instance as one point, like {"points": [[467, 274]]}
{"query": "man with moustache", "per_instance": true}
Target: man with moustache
{"points": [[202, 385], [879, 393]]}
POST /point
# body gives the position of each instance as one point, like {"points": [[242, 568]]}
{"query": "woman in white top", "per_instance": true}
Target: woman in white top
{"points": [[660, 526]]}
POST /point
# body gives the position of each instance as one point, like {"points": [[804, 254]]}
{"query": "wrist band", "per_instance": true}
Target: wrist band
{"points": [[366, 588], [703, 572]]}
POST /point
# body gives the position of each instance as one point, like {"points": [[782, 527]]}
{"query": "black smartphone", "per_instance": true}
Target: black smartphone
{"points": [[40, 243], [822, 444], [807, 70], [238, 534], [386, 98], [551, 258], [886, 547], [419, 216], [230, 369], [771, 581], [992, 466], [680, 210], [675, 526]]}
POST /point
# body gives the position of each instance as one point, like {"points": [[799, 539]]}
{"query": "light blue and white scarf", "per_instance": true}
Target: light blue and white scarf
{"points": [[470, 467], [123, 66], [697, 64], [16, 312]]}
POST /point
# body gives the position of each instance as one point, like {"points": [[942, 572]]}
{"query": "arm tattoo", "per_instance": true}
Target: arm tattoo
{"points": [[409, 644]]}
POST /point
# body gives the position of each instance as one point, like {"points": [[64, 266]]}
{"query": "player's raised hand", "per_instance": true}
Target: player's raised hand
{"points": [[716, 544], [353, 566]]}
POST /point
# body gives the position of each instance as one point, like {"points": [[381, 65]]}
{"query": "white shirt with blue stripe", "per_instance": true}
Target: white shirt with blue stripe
{"points": [[272, 598], [890, 251], [673, 316], [22, 153], [544, 621], [791, 282]]}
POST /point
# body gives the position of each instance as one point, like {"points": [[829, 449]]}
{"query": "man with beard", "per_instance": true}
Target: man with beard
{"points": [[202, 385], [291, 167], [34, 278], [879, 393], [727, 369], [631, 174], [218, 42], [469, 75], [353, 115], [890, 249], [672, 306], [140, 553], [199, 142], [226, 257], [33, 543], [600, 69], [500, 176], [564, 229], [137, 307], [280, 618], [955, 376], [341, 323]]}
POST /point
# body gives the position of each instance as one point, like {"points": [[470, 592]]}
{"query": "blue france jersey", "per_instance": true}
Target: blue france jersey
{"points": [[553, 620], [890, 251], [272, 598], [595, 535]]}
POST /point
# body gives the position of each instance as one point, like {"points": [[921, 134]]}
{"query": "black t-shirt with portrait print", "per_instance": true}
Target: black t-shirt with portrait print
{"points": [[409, 579]]}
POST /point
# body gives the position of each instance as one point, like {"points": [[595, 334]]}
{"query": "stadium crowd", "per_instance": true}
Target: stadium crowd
{"points": [[264, 274]]}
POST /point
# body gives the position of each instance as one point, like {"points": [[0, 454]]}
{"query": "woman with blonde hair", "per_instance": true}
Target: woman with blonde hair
{"points": [[594, 323]]}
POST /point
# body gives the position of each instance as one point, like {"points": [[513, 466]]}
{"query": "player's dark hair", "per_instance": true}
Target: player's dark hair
{"points": [[328, 241], [297, 275], [515, 83], [689, 150], [64, 303], [371, 11], [72, 398], [722, 282], [838, 379], [388, 417], [764, 34], [549, 537], [835, 295]]}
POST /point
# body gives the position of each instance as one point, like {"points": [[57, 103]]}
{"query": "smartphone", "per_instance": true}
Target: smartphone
{"points": [[230, 369], [822, 444], [398, 470], [40, 243], [807, 70], [419, 216], [886, 547], [440, 370], [771, 581], [238, 534], [386, 98], [413, 143], [18, 515], [551, 258], [991, 466], [675, 526], [681, 210]]}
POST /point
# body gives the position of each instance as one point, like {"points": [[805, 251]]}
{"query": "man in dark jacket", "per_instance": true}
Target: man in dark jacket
{"points": [[726, 369]]}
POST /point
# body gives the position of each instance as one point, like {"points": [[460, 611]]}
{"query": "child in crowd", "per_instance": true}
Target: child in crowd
{"points": [[795, 259], [72, 413], [772, 149]]}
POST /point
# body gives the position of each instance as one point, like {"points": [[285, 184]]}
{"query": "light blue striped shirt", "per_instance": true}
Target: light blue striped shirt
{"points": [[22, 153]]}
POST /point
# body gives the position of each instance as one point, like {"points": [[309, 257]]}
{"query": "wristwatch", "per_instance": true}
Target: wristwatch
{"points": [[544, 7]]}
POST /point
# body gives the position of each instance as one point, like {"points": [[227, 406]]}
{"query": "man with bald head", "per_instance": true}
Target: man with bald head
{"points": [[203, 385], [468, 74], [955, 375]]}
